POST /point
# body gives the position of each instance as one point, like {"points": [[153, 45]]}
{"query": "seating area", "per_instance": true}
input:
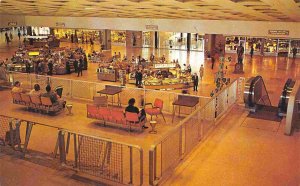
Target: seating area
{"points": [[37, 103], [115, 117]]}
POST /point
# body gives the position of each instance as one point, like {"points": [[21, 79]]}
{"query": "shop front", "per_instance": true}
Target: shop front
{"points": [[173, 40], [197, 42], [295, 46], [118, 37], [79, 35], [263, 46], [148, 39]]}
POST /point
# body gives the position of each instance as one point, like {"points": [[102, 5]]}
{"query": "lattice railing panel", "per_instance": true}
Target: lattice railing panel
{"points": [[171, 150], [83, 89], [167, 97], [65, 83], [192, 132], [100, 158], [4, 128], [23, 78], [137, 94]]}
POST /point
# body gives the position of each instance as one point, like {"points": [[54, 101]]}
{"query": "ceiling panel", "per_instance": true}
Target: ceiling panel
{"points": [[249, 10]]}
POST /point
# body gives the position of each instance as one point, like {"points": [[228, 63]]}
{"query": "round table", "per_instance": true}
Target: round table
{"points": [[153, 124]]}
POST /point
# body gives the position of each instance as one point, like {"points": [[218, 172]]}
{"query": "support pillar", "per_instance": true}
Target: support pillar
{"points": [[188, 43], [156, 40]]}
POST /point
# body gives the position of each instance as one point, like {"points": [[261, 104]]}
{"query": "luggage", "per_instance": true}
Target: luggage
{"points": [[16, 138]]}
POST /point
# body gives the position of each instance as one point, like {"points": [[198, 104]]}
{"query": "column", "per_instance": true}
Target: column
{"points": [[106, 40], [156, 40], [188, 43]]}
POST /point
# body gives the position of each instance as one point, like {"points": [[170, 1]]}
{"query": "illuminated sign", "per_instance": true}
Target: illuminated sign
{"points": [[279, 32], [152, 27]]}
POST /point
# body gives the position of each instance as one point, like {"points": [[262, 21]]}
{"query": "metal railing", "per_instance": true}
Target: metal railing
{"points": [[86, 90], [168, 151], [50, 146], [292, 114]]}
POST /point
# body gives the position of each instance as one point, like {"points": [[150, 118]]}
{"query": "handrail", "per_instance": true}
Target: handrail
{"points": [[67, 130], [251, 89], [162, 138], [54, 77]]}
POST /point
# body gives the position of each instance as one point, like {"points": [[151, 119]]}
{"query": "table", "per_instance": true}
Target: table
{"points": [[111, 91], [186, 101]]}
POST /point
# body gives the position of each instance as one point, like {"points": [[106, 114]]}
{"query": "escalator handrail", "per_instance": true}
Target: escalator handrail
{"points": [[251, 89]]}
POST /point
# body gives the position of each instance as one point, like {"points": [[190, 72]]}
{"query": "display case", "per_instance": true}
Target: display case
{"points": [[256, 43], [107, 74], [270, 47], [283, 47], [295, 44], [167, 83], [231, 44]]}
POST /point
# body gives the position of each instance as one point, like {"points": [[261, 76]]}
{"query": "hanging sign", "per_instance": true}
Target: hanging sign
{"points": [[152, 27], [60, 24], [279, 32]]}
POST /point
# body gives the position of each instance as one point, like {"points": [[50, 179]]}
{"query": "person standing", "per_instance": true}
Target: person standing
{"points": [[10, 36], [80, 67], [251, 51], [212, 62], [294, 52], [201, 72], [240, 52], [6, 38], [75, 65], [195, 82], [50, 68], [19, 35], [27, 67]]}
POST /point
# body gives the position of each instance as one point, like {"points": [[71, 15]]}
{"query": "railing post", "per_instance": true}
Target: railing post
{"points": [[29, 126], [152, 168], [75, 151], [61, 144], [131, 166], [141, 166]]}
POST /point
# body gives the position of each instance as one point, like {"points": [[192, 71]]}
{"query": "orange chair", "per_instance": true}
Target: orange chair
{"points": [[36, 101], [17, 98], [133, 118], [156, 108], [26, 99], [46, 101]]}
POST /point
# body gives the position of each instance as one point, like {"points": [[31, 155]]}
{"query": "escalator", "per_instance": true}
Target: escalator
{"points": [[257, 100]]}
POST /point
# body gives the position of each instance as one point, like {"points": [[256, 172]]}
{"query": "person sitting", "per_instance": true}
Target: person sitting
{"points": [[53, 97], [134, 109], [17, 88], [36, 91]]}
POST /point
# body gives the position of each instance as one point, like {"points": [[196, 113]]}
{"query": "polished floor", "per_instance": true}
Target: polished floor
{"points": [[240, 151]]}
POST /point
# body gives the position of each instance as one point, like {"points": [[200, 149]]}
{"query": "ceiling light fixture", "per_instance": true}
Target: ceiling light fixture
{"points": [[89, 8], [185, 9]]}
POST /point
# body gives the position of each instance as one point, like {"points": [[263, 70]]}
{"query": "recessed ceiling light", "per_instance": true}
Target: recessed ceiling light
{"points": [[185, 9]]}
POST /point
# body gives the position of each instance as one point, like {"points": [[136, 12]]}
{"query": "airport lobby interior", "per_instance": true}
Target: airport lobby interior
{"points": [[149, 92]]}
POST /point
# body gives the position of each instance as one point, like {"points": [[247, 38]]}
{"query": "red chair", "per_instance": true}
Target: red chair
{"points": [[105, 114], [118, 116], [133, 119], [156, 108], [92, 111]]}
